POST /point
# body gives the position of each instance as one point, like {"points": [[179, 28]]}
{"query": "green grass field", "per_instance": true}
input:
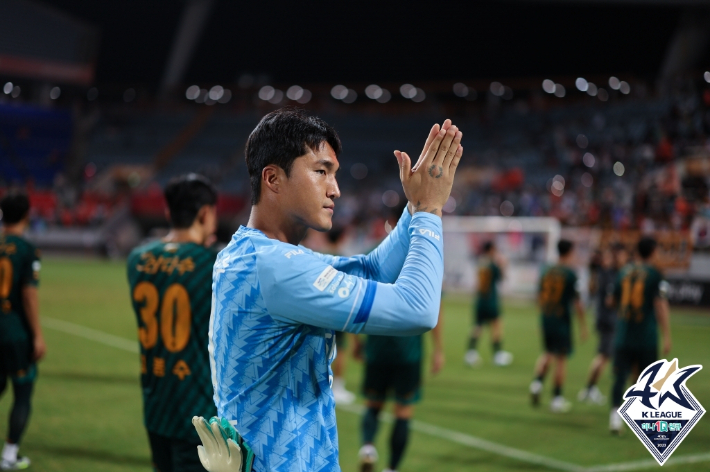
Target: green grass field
{"points": [[87, 405]]}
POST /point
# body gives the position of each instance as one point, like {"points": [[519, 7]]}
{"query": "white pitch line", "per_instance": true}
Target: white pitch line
{"points": [[650, 463], [477, 443], [89, 333], [426, 428]]}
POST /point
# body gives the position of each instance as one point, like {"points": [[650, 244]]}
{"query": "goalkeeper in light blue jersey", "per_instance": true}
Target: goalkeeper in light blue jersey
{"points": [[276, 304]]}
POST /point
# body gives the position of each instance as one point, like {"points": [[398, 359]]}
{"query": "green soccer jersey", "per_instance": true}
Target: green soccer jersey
{"points": [[393, 349], [489, 274], [557, 291], [635, 291], [19, 267], [171, 291]]}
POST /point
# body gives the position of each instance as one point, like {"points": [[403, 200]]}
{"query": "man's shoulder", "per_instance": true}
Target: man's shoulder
{"points": [[150, 246], [22, 246]]}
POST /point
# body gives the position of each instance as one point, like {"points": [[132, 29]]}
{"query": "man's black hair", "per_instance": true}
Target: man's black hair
{"points": [[488, 246], [14, 206], [646, 247], [564, 247], [185, 196], [281, 137]]}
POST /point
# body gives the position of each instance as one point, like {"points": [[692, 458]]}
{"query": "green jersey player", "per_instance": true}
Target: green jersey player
{"points": [[640, 294], [393, 366], [490, 271], [557, 295], [21, 340], [171, 290]]}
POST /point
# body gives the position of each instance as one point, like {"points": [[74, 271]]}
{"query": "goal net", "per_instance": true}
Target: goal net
{"points": [[527, 243]]}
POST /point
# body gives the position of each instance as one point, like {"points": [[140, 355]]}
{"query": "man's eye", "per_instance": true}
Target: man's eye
{"points": [[321, 171]]}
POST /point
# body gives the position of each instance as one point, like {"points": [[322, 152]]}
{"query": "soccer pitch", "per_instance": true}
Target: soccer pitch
{"points": [[87, 404]]}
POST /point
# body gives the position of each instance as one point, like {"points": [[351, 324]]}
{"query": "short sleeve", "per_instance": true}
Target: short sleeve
{"points": [[31, 267]]}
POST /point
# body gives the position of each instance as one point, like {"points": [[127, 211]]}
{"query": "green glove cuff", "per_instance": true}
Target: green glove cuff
{"points": [[229, 432]]}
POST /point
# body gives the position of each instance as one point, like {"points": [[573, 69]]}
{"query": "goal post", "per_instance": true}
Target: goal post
{"points": [[527, 243]]}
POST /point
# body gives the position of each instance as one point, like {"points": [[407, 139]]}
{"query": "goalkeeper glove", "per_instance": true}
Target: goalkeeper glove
{"points": [[223, 449]]}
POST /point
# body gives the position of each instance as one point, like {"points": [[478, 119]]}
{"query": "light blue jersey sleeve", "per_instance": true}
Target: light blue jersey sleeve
{"points": [[385, 262], [298, 286]]}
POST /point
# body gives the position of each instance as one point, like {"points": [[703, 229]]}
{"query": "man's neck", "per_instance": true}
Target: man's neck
{"points": [[565, 261], [17, 229], [276, 226], [185, 235]]}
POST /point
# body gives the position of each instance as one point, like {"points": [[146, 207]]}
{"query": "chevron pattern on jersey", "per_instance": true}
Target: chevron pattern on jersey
{"points": [[271, 376]]}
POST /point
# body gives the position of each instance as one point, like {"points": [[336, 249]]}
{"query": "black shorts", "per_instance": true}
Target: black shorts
{"points": [[557, 341], [628, 359], [403, 380], [341, 340], [484, 316], [606, 342], [174, 455], [16, 361]]}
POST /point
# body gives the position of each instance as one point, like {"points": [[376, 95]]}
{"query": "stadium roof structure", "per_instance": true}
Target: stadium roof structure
{"points": [[161, 44]]}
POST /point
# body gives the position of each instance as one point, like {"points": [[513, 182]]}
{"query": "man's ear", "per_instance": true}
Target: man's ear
{"points": [[272, 177], [200, 217]]}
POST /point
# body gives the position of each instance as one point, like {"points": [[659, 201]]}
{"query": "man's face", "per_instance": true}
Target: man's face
{"points": [[311, 188]]}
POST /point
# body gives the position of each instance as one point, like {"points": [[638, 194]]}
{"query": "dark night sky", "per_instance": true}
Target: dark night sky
{"points": [[321, 41]]}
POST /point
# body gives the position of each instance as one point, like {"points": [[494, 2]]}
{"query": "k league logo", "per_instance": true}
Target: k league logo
{"points": [[660, 409]]}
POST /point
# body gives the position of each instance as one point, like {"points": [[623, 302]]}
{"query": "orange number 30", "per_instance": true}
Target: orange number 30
{"points": [[5, 277], [175, 316]]}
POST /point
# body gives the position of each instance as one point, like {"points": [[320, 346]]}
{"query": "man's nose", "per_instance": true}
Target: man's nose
{"points": [[333, 189]]}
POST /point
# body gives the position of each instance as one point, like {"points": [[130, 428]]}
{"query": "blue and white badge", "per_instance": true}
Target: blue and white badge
{"points": [[660, 409]]}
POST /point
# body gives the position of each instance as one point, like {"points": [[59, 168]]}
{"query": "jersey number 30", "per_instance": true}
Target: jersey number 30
{"points": [[175, 316]]}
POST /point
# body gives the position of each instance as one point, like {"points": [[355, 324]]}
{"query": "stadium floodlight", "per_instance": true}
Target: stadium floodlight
{"points": [[706, 76], [267, 92], [581, 84], [560, 90], [216, 92], [603, 95], [16, 91], [588, 159], [55, 93], [305, 97], [373, 91], [339, 92], [277, 97], [294, 92], [8, 88], [497, 89], [591, 89], [350, 97], [226, 97], [582, 141], [390, 198], [192, 92], [358, 171], [419, 95], [450, 205], [507, 208], [624, 87], [619, 168], [614, 83], [385, 97], [587, 179], [408, 91], [460, 89], [548, 86]]}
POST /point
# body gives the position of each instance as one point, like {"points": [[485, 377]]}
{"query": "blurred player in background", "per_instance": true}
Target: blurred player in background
{"points": [[558, 294], [21, 340], [340, 393], [393, 365], [491, 268], [610, 263], [640, 293], [171, 289]]}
